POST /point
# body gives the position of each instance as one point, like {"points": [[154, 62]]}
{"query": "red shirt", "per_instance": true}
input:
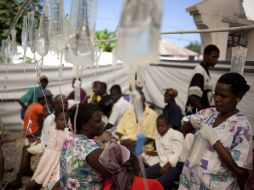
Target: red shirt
{"points": [[32, 113], [83, 96], [138, 184]]}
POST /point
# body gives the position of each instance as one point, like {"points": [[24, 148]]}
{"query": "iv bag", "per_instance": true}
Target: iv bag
{"points": [[56, 25], [83, 12], [139, 32], [5, 50], [79, 47], [31, 31], [238, 59], [42, 41], [199, 144], [24, 35], [13, 42], [138, 39], [197, 150]]}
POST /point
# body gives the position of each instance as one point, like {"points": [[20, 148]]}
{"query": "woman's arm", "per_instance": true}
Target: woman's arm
{"points": [[241, 173], [93, 160], [209, 134]]}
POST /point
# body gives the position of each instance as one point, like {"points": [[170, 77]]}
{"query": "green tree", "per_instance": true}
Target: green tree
{"points": [[107, 46], [194, 46], [8, 10]]}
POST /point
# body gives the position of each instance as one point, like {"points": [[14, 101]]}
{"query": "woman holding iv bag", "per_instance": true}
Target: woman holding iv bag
{"points": [[228, 157]]}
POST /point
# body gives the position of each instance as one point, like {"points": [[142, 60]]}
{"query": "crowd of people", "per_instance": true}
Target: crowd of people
{"points": [[91, 144]]}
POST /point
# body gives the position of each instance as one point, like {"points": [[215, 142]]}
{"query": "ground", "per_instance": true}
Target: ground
{"points": [[12, 149]]}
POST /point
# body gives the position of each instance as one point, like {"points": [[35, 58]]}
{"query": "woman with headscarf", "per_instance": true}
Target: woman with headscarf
{"points": [[172, 110], [124, 169]]}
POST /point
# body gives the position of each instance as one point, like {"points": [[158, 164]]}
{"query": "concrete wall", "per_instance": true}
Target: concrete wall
{"points": [[210, 14]]}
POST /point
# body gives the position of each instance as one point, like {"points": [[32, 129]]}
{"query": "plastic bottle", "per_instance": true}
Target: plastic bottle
{"points": [[140, 143]]}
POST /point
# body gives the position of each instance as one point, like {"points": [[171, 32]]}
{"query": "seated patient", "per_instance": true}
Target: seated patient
{"points": [[124, 169], [80, 168], [170, 146], [48, 170]]}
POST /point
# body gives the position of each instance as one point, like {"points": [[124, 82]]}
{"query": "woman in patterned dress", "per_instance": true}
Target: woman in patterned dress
{"points": [[228, 157], [80, 168]]}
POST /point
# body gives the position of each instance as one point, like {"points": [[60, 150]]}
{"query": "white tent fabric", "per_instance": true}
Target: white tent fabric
{"points": [[15, 80], [158, 77]]}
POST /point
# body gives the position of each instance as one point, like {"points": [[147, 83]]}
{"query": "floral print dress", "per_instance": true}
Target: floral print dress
{"points": [[76, 173], [212, 173]]}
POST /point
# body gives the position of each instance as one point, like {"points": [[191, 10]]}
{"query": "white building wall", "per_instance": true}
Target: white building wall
{"points": [[212, 13]]}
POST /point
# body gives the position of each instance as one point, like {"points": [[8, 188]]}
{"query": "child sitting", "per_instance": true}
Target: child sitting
{"points": [[170, 148], [48, 169]]}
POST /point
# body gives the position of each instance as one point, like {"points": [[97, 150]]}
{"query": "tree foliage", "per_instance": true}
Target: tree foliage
{"points": [[107, 46], [8, 10], [194, 46]]}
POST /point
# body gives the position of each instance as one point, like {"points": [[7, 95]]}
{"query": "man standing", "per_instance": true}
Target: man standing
{"points": [[200, 88]]}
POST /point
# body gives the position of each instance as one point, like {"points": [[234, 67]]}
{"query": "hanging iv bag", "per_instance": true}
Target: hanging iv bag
{"points": [[5, 50], [13, 42], [42, 40], [139, 32], [24, 34], [31, 31], [79, 46], [138, 40], [238, 59], [56, 25]]}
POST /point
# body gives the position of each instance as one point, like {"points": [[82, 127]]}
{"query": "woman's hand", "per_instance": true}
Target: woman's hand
{"points": [[196, 121], [209, 134]]}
